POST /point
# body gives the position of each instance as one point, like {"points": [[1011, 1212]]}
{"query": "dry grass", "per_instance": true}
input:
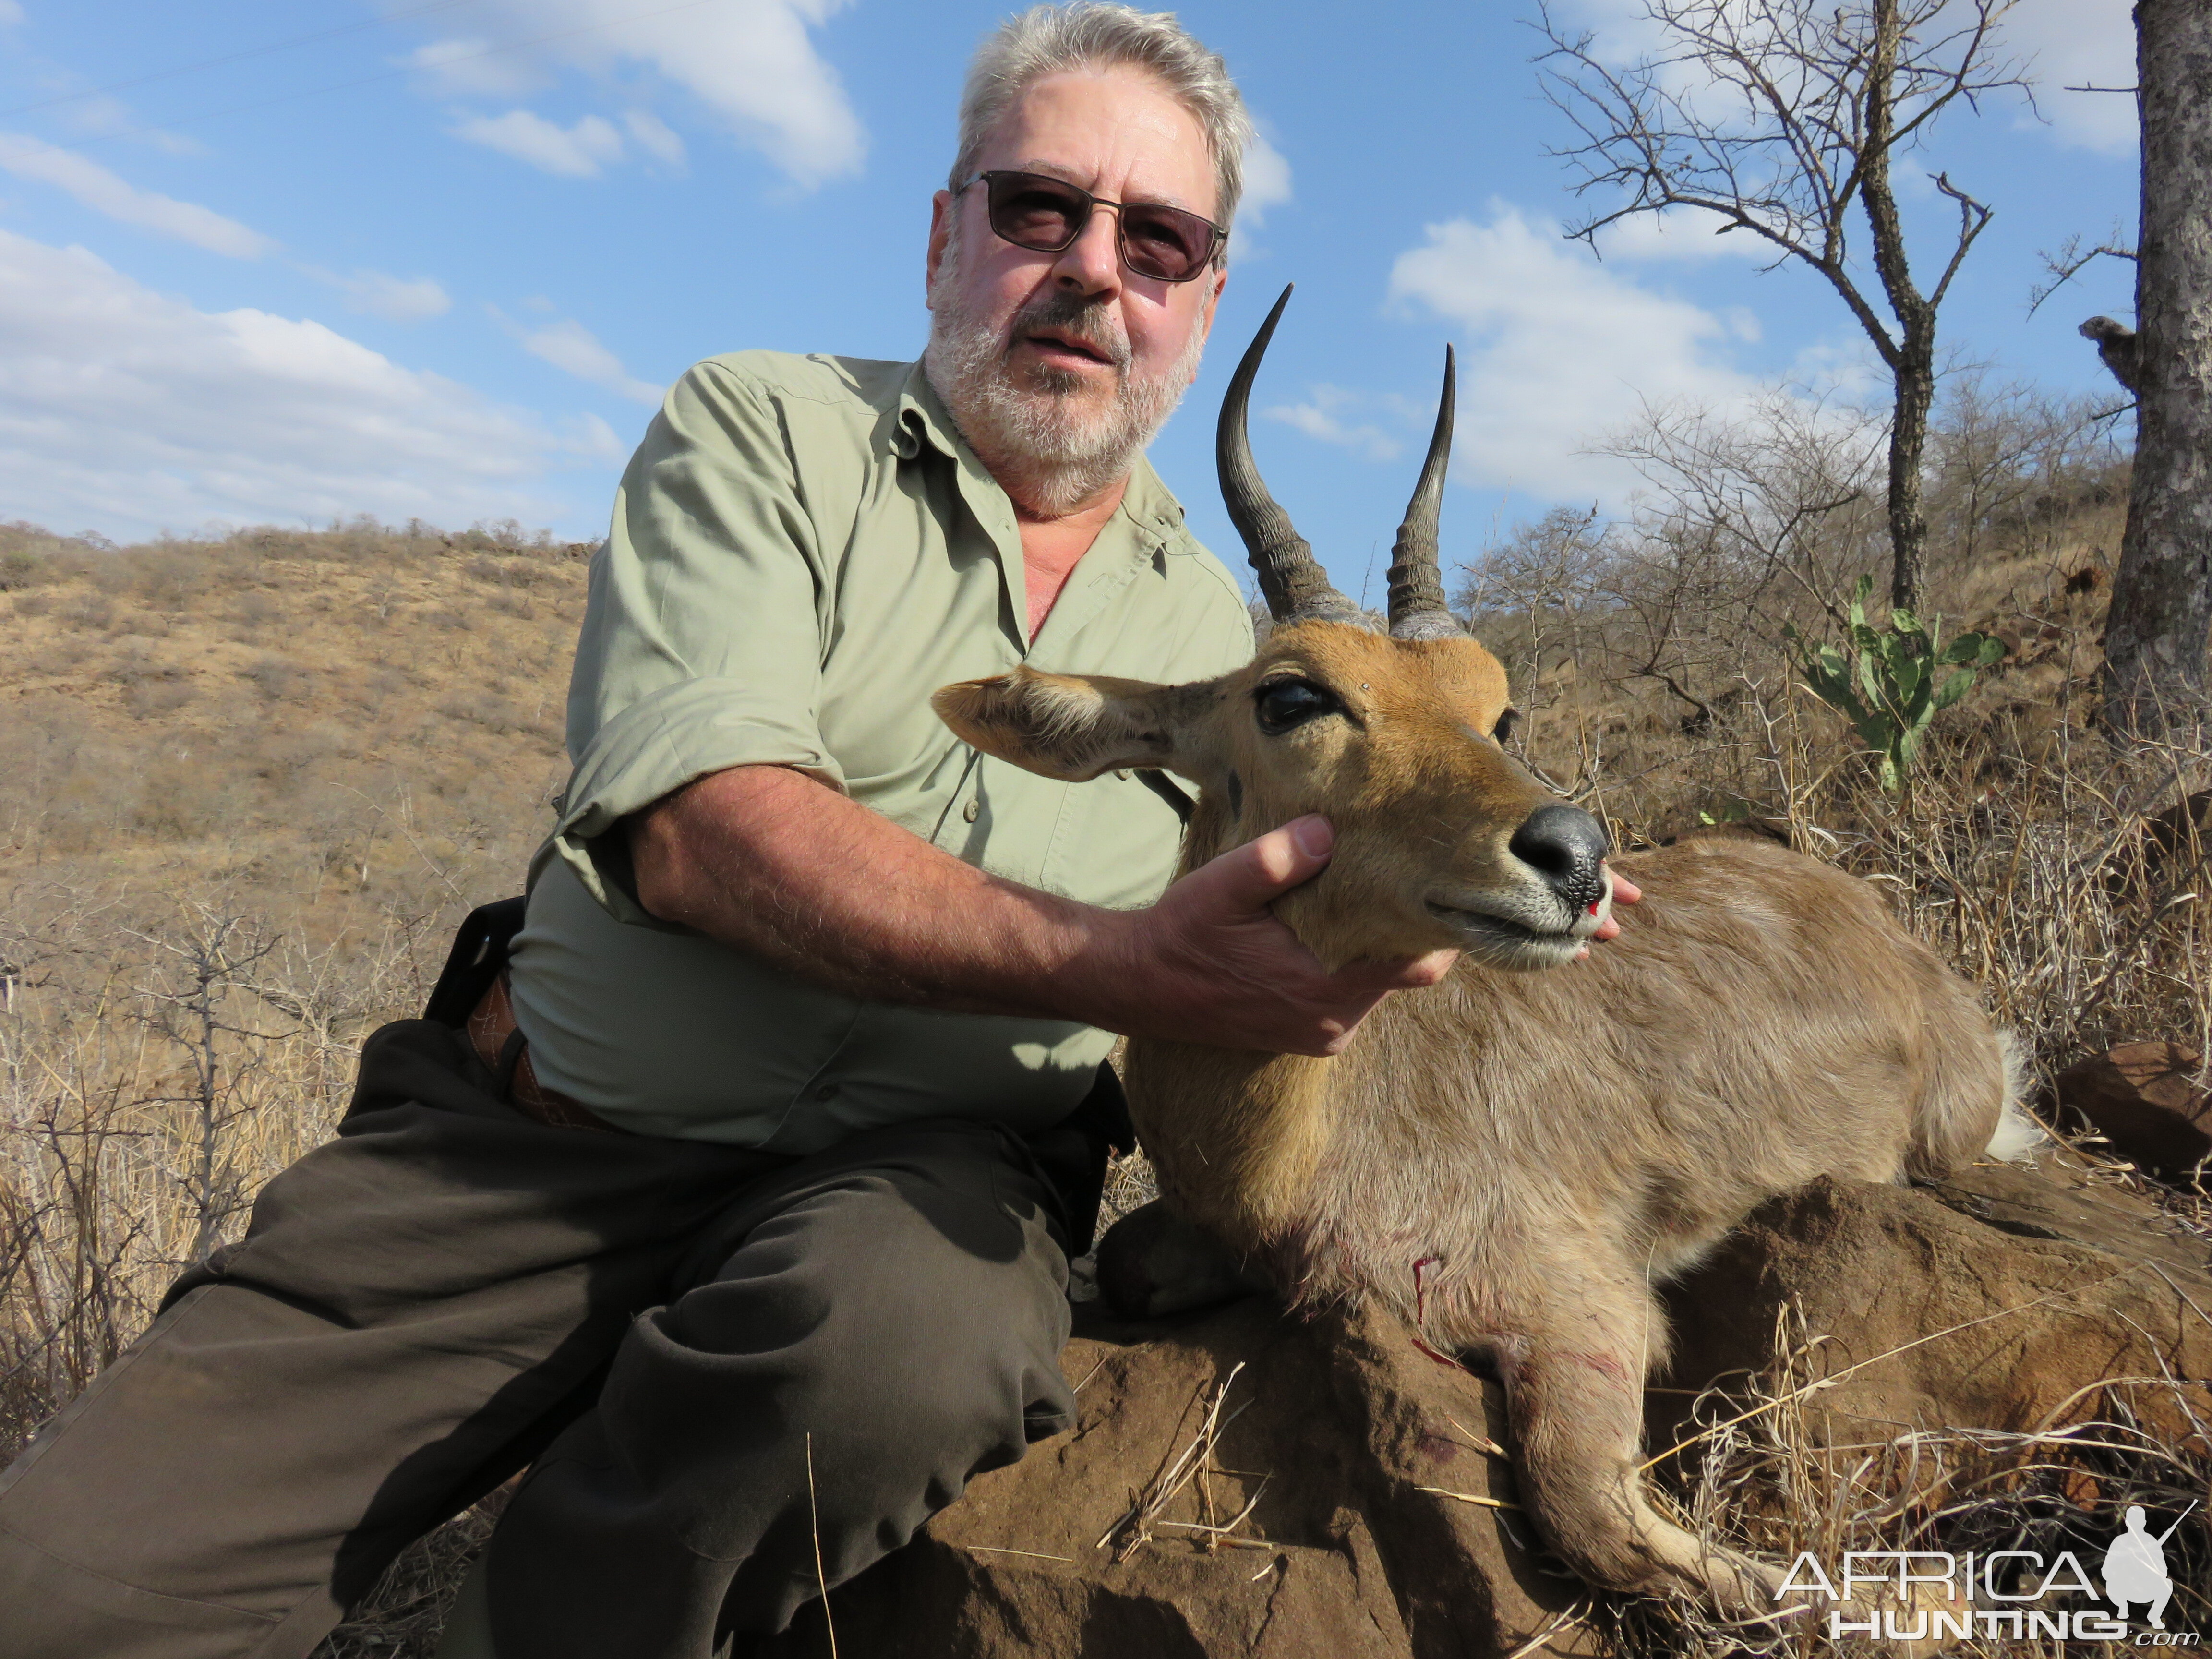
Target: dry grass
{"points": [[1763, 1479]]}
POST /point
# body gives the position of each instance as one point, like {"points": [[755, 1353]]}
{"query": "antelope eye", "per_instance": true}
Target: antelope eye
{"points": [[1283, 704], [1503, 731]]}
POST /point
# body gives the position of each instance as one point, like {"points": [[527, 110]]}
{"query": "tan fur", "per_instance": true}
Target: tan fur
{"points": [[1509, 1159]]}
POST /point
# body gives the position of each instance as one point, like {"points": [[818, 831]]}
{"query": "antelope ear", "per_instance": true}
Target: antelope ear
{"points": [[1073, 727]]}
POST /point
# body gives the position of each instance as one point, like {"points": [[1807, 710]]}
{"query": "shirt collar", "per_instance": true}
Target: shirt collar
{"points": [[922, 419]]}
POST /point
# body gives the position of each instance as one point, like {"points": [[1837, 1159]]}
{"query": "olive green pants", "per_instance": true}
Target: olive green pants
{"points": [[662, 1330]]}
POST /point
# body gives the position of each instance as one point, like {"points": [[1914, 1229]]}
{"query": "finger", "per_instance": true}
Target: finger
{"points": [[1406, 973], [1625, 892], [1250, 876], [1609, 928]]}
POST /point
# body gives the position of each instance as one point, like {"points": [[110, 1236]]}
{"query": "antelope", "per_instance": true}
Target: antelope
{"points": [[1509, 1159]]}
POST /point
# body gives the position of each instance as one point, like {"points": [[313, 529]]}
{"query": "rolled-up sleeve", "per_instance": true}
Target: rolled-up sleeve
{"points": [[702, 645]]}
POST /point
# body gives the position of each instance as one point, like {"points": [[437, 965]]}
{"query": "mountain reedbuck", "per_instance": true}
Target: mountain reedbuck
{"points": [[1509, 1159]]}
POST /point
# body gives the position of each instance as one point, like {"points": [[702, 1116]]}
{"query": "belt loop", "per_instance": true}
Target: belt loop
{"points": [[510, 1056]]}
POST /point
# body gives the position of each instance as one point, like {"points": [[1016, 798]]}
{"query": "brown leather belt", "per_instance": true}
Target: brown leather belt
{"points": [[499, 1044]]}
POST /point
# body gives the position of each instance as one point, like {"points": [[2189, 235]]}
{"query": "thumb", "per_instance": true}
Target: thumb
{"points": [[1250, 876]]}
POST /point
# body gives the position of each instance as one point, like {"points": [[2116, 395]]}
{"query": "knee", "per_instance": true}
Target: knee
{"points": [[914, 1407]]}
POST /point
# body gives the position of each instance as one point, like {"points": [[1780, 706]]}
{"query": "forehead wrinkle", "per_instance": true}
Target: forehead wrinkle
{"points": [[1118, 119], [1067, 175]]}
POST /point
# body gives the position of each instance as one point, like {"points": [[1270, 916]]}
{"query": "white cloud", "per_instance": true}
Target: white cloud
{"points": [[96, 115], [2066, 43], [576, 152], [396, 300], [751, 63], [1266, 180], [1560, 350], [2081, 43], [104, 191], [126, 412], [574, 350], [1331, 413], [476, 67], [599, 442], [654, 136]]}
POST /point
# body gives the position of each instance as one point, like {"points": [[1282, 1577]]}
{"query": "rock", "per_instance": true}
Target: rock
{"points": [[1997, 1300], [2183, 831], [1344, 1421], [2164, 858], [1353, 1441], [2145, 1098]]}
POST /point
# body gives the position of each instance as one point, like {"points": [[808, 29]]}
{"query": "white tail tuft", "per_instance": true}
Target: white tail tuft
{"points": [[2018, 1137]]}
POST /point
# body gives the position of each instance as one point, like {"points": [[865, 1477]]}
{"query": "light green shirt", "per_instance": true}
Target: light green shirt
{"points": [[803, 551]]}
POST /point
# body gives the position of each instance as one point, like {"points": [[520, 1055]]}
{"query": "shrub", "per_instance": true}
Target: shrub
{"points": [[279, 679], [181, 799], [157, 695]]}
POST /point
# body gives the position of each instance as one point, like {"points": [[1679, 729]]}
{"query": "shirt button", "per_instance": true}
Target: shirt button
{"points": [[1123, 773], [827, 1091], [972, 810]]}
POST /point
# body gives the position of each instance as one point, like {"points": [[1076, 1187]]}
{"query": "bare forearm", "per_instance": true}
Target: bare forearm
{"points": [[770, 860]]}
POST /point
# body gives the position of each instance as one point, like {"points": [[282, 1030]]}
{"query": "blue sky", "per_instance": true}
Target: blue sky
{"points": [[438, 258]]}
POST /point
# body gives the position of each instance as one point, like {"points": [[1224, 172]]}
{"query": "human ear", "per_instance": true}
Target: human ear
{"points": [[940, 232]]}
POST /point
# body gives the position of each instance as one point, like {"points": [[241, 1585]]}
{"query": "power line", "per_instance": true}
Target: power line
{"points": [[231, 58], [413, 68]]}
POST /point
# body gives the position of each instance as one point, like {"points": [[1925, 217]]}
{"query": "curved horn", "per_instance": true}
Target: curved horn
{"points": [[1292, 579], [1418, 610]]}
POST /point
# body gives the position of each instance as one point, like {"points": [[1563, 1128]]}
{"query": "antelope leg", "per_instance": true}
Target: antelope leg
{"points": [[1574, 1386]]}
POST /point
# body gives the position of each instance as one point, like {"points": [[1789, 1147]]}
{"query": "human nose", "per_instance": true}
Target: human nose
{"points": [[1091, 263]]}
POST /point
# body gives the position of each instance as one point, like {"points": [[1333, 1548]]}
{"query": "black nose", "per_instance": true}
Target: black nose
{"points": [[1566, 845]]}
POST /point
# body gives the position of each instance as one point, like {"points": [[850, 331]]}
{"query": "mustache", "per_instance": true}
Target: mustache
{"points": [[1088, 319]]}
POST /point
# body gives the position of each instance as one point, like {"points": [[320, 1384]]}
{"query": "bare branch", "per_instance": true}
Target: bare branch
{"points": [[1972, 215], [1783, 119], [2070, 261]]}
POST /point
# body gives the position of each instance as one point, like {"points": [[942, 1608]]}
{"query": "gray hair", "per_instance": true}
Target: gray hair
{"points": [[1094, 34]]}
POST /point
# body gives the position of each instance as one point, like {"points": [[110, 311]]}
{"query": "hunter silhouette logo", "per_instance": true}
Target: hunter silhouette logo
{"points": [[2135, 1567], [1924, 1594]]}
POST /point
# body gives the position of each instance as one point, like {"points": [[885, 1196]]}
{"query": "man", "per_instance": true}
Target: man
{"points": [[741, 1214]]}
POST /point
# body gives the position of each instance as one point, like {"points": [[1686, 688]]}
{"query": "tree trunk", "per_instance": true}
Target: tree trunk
{"points": [[1908, 443], [1912, 362], [2156, 637]]}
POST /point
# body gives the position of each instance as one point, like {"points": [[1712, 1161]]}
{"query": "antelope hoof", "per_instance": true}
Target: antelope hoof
{"points": [[1152, 1262]]}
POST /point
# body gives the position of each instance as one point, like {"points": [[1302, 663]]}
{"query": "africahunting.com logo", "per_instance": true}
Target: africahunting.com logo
{"points": [[1999, 1594]]}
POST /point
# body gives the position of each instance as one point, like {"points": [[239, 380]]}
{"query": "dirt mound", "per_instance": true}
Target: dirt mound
{"points": [[1999, 1299], [1344, 1442], [1363, 1505]]}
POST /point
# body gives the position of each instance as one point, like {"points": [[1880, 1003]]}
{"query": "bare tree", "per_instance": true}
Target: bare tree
{"points": [[1782, 118], [2161, 615]]}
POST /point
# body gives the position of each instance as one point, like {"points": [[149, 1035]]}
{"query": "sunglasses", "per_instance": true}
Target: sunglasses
{"points": [[1046, 214]]}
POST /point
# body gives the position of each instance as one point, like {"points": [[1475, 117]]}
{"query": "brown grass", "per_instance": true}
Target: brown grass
{"points": [[1763, 1479]]}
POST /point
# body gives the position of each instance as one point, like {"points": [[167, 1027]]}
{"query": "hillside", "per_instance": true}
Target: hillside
{"points": [[343, 727]]}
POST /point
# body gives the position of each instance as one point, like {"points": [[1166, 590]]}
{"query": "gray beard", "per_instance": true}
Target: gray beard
{"points": [[1034, 438]]}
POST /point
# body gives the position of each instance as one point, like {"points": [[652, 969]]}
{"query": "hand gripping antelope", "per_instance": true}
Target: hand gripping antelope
{"points": [[1511, 1157]]}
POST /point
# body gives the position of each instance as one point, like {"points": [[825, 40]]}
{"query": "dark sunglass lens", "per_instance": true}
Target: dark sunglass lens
{"points": [[1166, 243], [1034, 212]]}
